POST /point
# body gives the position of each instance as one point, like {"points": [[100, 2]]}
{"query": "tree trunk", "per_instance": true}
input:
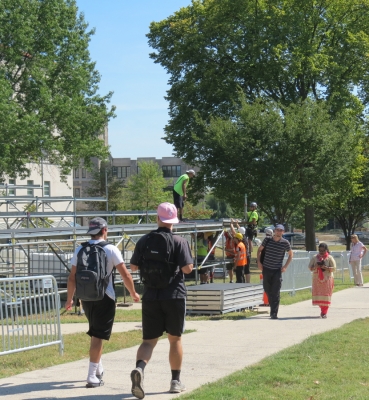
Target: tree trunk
{"points": [[310, 228]]}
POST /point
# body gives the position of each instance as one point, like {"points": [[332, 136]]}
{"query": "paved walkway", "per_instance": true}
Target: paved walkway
{"points": [[215, 350]]}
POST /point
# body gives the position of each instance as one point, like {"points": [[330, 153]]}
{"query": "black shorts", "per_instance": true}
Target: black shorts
{"points": [[229, 263], [246, 270], [100, 315], [178, 199], [251, 233], [159, 316]]}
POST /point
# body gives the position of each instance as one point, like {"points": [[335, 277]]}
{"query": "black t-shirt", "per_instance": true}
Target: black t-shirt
{"points": [[181, 257]]}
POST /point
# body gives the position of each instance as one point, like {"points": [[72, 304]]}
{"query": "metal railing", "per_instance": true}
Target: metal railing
{"points": [[298, 277], [30, 314]]}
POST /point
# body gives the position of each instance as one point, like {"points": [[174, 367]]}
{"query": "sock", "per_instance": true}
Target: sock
{"points": [[91, 377], [175, 374], [140, 364], [100, 368]]}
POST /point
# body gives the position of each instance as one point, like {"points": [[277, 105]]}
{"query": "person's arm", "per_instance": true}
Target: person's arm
{"points": [[134, 267], [71, 288], [237, 255], [311, 265], [260, 265], [184, 185], [364, 252], [128, 281], [187, 269], [232, 228], [289, 259]]}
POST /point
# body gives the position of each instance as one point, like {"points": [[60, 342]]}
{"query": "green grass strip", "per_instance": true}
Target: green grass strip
{"points": [[331, 365]]}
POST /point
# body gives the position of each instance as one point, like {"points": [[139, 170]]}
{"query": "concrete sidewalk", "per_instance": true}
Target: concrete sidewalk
{"points": [[215, 350]]}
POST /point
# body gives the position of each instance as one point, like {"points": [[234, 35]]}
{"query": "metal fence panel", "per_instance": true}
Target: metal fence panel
{"points": [[30, 314]]}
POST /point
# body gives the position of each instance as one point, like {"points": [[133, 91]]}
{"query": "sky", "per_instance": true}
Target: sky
{"points": [[120, 50]]}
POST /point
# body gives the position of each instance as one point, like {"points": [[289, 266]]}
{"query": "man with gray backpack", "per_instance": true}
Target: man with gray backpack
{"points": [[91, 280], [162, 259]]}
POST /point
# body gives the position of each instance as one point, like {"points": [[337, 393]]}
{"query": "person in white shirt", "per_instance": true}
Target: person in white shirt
{"points": [[358, 251]]}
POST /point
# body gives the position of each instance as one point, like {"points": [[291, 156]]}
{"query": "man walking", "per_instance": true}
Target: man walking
{"points": [[163, 308], [358, 251], [179, 191], [272, 266], [100, 314]]}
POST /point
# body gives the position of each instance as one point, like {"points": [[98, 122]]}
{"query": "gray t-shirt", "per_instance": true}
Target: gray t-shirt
{"points": [[274, 252]]}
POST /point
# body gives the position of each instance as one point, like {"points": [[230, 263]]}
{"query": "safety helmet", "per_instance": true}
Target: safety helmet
{"points": [[253, 204], [242, 230]]}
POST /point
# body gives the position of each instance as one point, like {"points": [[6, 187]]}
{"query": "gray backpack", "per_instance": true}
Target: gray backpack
{"points": [[91, 274]]}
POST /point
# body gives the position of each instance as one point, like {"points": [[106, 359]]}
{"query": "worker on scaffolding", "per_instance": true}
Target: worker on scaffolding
{"points": [[179, 191], [252, 223]]}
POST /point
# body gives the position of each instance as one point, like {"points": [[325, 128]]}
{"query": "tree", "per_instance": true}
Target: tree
{"points": [[49, 102], [146, 189], [286, 51], [103, 181], [286, 161], [350, 207]]}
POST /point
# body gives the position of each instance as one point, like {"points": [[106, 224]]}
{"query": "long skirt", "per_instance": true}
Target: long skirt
{"points": [[322, 289]]}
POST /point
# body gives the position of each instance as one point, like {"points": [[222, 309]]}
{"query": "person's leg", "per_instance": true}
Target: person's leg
{"points": [[239, 274], [360, 275], [96, 346], [324, 311], [247, 273], [175, 352], [146, 349], [143, 356], [272, 285], [354, 271], [230, 273]]}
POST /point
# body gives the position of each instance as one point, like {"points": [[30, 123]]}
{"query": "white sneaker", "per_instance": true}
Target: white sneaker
{"points": [[177, 387], [137, 378]]}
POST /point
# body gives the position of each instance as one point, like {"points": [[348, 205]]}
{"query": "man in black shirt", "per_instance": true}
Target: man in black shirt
{"points": [[163, 309], [272, 266]]}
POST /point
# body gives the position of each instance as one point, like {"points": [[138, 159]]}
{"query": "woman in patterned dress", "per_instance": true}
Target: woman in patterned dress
{"points": [[322, 265]]}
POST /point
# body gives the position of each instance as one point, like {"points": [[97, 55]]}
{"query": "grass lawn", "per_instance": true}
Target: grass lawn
{"points": [[331, 365]]}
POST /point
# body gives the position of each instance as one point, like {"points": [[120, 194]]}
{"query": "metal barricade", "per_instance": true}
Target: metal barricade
{"points": [[30, 314], [297, 275]]}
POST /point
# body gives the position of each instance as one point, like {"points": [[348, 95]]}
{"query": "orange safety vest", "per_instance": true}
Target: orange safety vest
{"points": [[229, 247], [242, 255]]}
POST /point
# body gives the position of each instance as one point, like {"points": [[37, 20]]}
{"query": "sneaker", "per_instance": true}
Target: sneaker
{"points": [[177, 387], [100, 376], [137, 378], [94, 384]]}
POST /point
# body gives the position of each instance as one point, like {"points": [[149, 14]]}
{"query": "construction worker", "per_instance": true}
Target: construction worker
{"points": [[252, 223], [179, 191], [230, 253], [240, 258], [242, 230]]}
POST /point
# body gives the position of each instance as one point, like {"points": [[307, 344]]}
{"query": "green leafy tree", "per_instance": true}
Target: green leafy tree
{"points": [[49, 102], [286, 51], [286, 161], [102, 181], [146, 188]]}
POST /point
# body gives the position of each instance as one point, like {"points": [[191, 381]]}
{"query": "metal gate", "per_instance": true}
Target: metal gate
{"points": [[30, 314]]}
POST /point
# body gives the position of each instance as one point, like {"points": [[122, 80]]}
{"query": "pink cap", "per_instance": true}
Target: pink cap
{"points": [[167, 213]]}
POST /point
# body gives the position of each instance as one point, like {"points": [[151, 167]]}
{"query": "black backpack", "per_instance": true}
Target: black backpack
{"points": [[91, 274], [156, 264]]}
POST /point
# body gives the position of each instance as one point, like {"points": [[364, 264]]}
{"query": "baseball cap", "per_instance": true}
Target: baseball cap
{"points": [[242, 230], [95, 225], [238, 236], [279, 226], [167, 213], [191, 171]]}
